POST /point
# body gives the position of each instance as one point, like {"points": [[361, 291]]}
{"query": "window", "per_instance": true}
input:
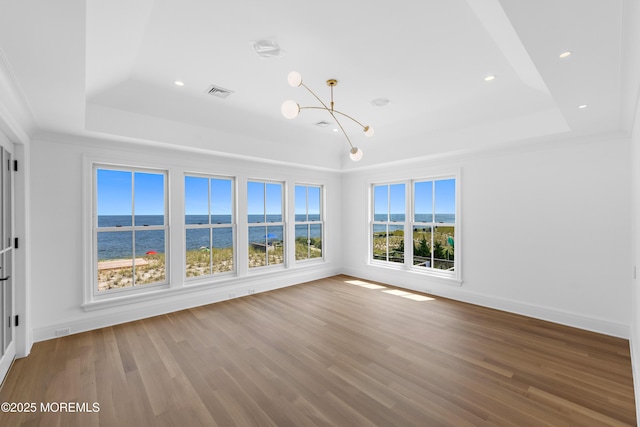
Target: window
{"points": [[434, 224], [129, 228], [209, 225], [388, 222], [266, 223], [308, 217]]}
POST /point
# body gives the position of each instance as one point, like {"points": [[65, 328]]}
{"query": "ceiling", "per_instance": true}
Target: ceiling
{"points": [[108, 68]]}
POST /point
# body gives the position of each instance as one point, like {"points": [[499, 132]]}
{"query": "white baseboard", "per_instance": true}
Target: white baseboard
{"points": [[127, 313], [566, 318], [635, 367], [175, 302]]}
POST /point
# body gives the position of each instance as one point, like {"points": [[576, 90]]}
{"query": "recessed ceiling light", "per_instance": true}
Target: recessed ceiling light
{"points": [[178, 83], [565, 54], [489, 78], [582, 106], [335, 129]]}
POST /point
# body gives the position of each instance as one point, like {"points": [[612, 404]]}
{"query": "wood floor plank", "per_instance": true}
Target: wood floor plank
{"points": [[339, 351]]}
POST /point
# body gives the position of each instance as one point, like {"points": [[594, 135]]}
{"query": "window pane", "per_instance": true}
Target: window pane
{"points": [[315, 247], [445, 208], [150, 265], [257, 246], [301, 203], [221, 201], [302, 241], [115, 259], [149, 198], [275, 242], [381, 203], [397, 202], [114, 198], [255, 201], [274, 203], [443, 247], [423, 201], [222, 251], [196, 200], [396, 243], [380, 242], [422, 246], [198, 260], [314, 203]]}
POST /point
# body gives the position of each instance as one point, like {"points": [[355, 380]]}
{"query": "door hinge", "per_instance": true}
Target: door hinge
{"points": [[15, 166], [17, 321], [15, 243]]}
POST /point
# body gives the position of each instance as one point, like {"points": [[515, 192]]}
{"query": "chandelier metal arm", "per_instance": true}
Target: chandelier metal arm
{"points": [[290, 110], [316, 96], [330, 111], [335, 111]]}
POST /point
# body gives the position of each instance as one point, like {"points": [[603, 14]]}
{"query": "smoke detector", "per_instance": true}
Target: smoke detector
{"points": [[379, 102], [218, 91]]}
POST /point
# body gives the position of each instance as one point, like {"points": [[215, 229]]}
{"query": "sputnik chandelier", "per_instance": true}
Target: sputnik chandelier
{"points": [[291, 109]]}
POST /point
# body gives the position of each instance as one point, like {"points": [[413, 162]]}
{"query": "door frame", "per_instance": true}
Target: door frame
{"points": [[8, 354]]}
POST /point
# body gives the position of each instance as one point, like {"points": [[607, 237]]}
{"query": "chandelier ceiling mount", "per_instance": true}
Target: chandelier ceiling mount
{"points": [[291, 109]]}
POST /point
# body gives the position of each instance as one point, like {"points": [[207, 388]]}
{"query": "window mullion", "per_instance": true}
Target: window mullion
{"points": [[210, 226], [133, 228], [308, 240]]}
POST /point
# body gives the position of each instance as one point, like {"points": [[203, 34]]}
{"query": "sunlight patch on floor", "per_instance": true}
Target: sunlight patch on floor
{"points": [[409, 295], [396, 292], [364, 284]]}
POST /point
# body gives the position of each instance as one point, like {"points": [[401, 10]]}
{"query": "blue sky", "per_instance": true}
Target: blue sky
{"points": [[197, 198], [304, 193], [256, 199], [115, 190], [393, 197]]}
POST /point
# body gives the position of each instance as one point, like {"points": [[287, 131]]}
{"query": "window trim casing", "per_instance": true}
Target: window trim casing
{"points": [[454, 277], [387, 223], [92, 294], [282, 223], [456, 238], [308, 223], [212, 277]]}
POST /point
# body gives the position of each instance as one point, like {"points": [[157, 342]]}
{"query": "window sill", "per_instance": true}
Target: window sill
{"points": [[102, 302], [188, 286], [210, 279], [441, 277]]}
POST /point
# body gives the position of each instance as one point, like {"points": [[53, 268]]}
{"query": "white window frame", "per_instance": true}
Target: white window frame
{"points": [[118, 292], [310, 223], [266, 224], [451, 277], [210, 226], [433, 224], [388, 223]]}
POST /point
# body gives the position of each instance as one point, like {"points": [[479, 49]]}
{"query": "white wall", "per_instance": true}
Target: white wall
{"points": [[631, 121], [635, 233], [544, 231], [57, 250]]}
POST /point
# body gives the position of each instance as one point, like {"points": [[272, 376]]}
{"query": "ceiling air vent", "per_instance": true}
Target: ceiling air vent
{"points": [[218, 91]]}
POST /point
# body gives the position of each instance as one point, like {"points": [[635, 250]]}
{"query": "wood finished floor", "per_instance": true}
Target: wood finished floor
{"points": [[329, 353]]}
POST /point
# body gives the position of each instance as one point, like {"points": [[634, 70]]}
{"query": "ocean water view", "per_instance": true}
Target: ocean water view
{"points": [[447, 218], [119, 244]]}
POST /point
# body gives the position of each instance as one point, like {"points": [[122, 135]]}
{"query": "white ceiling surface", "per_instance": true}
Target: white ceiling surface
{"points": [[108, 67]]}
